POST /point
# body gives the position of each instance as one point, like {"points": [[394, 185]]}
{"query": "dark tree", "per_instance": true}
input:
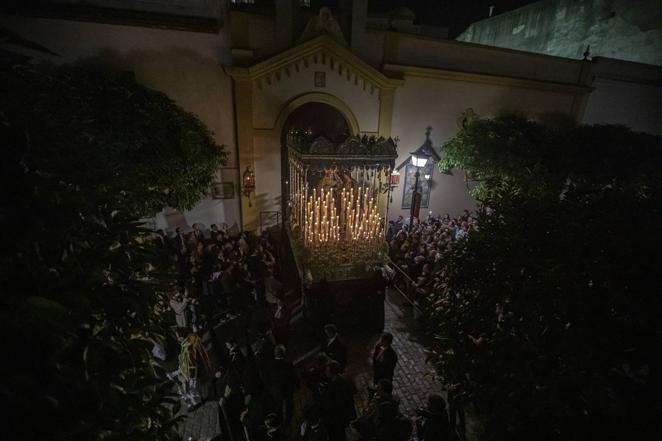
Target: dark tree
{"points": [[87, 153], [548, 316]]}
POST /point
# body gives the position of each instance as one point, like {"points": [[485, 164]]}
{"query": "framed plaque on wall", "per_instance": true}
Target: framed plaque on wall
{"points": [[222, 190], [423, 185]]}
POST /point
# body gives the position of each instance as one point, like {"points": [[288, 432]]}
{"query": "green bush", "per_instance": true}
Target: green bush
{"points": [[87, 154], [546, 318]]}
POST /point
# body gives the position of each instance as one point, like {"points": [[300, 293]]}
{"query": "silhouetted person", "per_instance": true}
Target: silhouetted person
{"points": [[432, 424], [382, 420], [315, 376], [337, 402], [282, 382], [312, 428], [274, 429], [333, 347], [384, 358], [264, 349]]}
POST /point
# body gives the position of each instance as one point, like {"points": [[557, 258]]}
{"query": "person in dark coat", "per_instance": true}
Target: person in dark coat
{"points": [[337, 402], [282, 382], [280, 323], [384, 359], [333, 347], [178, 243], [312, 428], [257, 408], [315, 376], [433, 424], [264, 349], [273, 428], [230, 403], [382, 420]]}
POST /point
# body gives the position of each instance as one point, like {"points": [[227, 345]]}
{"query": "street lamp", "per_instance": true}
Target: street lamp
{"points": [[419, 158]]}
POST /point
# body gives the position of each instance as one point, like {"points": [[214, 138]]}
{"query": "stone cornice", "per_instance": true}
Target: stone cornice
{"points": [[474, 77], [117, 16]]}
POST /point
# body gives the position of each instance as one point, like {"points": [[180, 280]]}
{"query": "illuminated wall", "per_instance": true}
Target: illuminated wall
{"points": [[622, 29], [182, 64]]}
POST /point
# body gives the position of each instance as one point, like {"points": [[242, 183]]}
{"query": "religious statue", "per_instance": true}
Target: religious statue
{"points": [[330, 180], [337, 180], [323, 24]]}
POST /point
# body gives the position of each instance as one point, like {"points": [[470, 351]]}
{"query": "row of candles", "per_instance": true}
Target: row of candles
{"points": [[357, 221], [334, 220]]}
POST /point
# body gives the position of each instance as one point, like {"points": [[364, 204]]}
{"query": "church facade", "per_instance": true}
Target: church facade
{"points": [[245, 70]]}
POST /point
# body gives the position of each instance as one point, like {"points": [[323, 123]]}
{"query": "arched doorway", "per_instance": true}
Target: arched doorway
{"points": [[315, 119]]}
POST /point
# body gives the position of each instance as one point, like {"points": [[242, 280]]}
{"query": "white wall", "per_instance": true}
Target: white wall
{"points": [[269, 99], [439, 103], [625, 93], [267, 151], [183, 65]]}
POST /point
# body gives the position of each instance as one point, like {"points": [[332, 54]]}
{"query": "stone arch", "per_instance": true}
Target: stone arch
{"points": [[284, 116], [316, 97]]}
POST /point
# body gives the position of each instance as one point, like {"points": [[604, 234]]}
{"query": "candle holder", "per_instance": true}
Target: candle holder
{"points": [[334, 193]]}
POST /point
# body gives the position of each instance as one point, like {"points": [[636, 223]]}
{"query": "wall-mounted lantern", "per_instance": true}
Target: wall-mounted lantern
{"points": [[395, 178], [248, 186]]}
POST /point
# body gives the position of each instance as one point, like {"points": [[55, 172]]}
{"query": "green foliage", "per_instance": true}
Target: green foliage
{"points": [[90, 125], [546, 317], [86, 154]]}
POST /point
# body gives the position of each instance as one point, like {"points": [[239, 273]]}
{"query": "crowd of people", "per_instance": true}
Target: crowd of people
{"points": [[231, 316], [231, 321], [418, 248]]}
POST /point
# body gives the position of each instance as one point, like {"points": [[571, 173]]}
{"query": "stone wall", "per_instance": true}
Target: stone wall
{"points": [[622, 29]]}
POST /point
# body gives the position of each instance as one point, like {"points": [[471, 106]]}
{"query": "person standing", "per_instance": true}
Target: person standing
{"points": [[179, 243], [280, 323], [312, 428], [315, 376], [231, 403], [273, 428], [334, 348], [282, 382], [264, 350], [194, 369], [180, 306], [384, 359], [433, 424], [382, 420], [337, 402]]}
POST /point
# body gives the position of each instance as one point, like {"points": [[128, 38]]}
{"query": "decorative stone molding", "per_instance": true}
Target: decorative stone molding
{"points": [[320, 50]]}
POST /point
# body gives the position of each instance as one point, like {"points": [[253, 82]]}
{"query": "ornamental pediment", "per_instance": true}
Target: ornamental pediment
{"points": [[320, 50]]}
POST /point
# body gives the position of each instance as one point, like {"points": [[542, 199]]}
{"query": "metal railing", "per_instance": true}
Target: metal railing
{"points": [[404, 285]]}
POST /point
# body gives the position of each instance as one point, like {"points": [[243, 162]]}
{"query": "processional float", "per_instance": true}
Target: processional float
{"points": [[337, 200]]}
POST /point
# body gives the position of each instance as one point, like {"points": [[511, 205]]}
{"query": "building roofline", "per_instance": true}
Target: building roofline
{"points": [[118, 16], [477, 77]]}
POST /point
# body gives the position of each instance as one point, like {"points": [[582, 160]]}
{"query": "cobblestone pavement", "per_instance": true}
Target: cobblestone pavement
{"points": [[202, 424], [413, 381], [414, 378]]}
